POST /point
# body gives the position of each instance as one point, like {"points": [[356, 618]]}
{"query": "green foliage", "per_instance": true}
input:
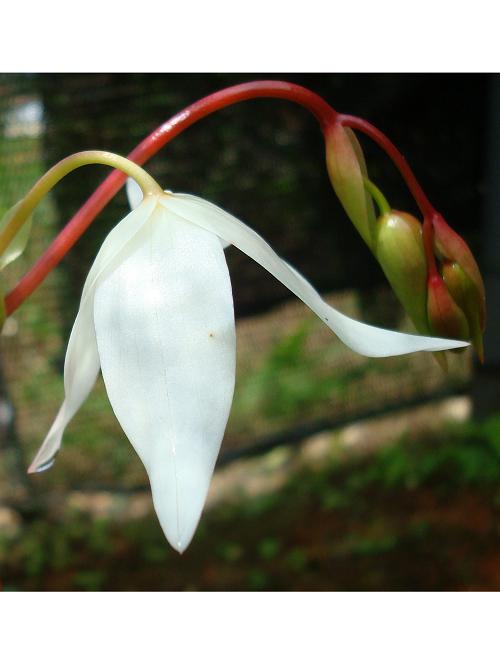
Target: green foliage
{"points": [[364, 546], [257, 579], [88, 581], [352, 513], [291, 380], [230, 551], [334, 498], [269, 548], [466, 455], [296, 559]]}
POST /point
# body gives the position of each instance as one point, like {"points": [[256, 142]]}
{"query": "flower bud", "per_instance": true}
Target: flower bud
{"points": [[399, 250], [347, 168], [450, 247], [446, 318], [462, 279], [466, 295]]}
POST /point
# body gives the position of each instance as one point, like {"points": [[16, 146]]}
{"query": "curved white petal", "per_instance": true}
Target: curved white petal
{"points": [[362, 338], [81, 365], [165, 330]]}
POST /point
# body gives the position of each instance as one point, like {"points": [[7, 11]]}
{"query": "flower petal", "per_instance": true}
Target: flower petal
{"points": [[362, 338], [81, 365], [134, 193], [165, 330], [134, 196]]}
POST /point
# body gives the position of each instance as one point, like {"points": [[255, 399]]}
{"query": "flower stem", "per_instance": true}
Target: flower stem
{"points": [[378, 196], [27, 205]]}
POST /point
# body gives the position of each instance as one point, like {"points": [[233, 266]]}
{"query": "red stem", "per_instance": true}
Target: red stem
{"points": [[68, 236]]}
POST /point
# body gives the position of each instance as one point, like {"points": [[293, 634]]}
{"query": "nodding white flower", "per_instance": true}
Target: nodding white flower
{"points": [[156, 316]]}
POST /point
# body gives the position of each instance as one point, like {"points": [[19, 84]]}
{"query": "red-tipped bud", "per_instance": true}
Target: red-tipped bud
{"points": [[451, 248], [347, 170], [461, 279], [467, 297], [446, 319]]}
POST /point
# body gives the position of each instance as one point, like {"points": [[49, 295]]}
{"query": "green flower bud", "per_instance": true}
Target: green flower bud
{"points": [[347, 170], [399, 250], [449, 303]]}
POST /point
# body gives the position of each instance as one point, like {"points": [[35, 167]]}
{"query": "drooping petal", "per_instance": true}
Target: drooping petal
{"points": [[165, 332], [134, 196], [81, 365], [362, 338], [81, 368]]}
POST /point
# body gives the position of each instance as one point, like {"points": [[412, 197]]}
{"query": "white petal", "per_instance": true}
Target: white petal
{"points": [[134, 193], [81, 368], [165, 331], [362, 338], [81, 365]]}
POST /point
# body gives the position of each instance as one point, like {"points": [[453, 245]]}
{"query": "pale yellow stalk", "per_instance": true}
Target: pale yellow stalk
{"points": [[26, 206]]}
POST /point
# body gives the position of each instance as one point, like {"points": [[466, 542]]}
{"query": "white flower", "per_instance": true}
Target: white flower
{"points": [[156, 316]]}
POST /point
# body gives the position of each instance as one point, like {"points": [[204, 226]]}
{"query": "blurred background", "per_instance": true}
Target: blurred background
{"points": [[337, 472]]}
